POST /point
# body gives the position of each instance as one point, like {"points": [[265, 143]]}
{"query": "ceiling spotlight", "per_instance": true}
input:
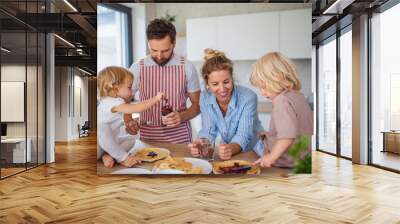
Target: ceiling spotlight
{"points": [[65, 41], [84, 71], [337, 7], [5, 50], [70, 5]]}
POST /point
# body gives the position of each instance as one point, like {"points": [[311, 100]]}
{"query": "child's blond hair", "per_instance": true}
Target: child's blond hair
{"points": [[275, 73], [110, 78]]}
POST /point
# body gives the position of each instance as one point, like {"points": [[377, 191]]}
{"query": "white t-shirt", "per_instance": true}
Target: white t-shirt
{"points": [[111, 133], [190, 71]]}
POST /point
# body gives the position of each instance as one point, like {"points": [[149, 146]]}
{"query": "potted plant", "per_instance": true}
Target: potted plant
{"points": [[301, 156]]}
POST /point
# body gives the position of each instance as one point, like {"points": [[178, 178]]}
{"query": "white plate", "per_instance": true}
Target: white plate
{"points": [[135, 150], [157, 171], [132, 171], [207, 167]]}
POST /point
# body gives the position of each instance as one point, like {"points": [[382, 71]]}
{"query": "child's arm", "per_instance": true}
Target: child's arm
{"points": [[139, 107], [280, 146]]}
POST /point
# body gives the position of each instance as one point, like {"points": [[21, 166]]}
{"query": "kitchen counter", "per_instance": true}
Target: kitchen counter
{"points": [[181, 150]]}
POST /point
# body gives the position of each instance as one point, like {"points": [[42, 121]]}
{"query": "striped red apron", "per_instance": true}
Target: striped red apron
{"points": [[170, 79]]}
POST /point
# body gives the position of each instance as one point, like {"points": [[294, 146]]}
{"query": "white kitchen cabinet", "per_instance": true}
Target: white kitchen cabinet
{"points": [[295, 33], [201, 33], [248, 36]]}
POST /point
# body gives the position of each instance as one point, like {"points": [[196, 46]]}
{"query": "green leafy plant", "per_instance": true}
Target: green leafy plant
{"points": [[301, 156], [169, 17]]}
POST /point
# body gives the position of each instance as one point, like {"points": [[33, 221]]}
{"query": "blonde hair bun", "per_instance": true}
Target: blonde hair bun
{"points": [[211, 53]]}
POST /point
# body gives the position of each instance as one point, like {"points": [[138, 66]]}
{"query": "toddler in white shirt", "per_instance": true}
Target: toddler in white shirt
{"points": [[114, 86]]}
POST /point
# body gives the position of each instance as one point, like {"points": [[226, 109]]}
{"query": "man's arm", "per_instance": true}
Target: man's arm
{"points": [[176, 118], [194, 109]]}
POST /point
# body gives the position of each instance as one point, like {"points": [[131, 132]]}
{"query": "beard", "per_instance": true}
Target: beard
{"points": [[163, 61]]}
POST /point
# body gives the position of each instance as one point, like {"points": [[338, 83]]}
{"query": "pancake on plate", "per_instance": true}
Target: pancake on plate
{"points": [[235, 167], [151, 154], [177, 163]]}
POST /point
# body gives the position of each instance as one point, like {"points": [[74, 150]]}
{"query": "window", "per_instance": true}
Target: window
{"points": [[346, 94], [385, 89], [22, 69], [327, 96], [114, 36]]}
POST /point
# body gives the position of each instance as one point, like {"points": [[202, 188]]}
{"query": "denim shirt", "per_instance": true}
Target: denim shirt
{"points": [[240, 124]]}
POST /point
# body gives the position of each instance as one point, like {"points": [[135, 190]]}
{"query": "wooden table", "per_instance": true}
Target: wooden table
{"points": [[181, 150]]}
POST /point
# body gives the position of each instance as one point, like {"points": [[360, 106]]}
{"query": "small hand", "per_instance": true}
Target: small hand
{"points": [[225, 151], [172, 119], [130, 161], [265, 161], [132, 126], [160, 96], [194, 148], [262, 135]]}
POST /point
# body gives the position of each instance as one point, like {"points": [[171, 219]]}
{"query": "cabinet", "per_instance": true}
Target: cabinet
{"points": [[295, 33], [201, 33], [13, 150], [249, 36]]}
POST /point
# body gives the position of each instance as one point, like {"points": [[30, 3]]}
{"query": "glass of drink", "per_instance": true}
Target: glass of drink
{"points": [[206, 149]]}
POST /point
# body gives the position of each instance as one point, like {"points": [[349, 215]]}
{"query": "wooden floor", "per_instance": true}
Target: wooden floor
{"points": [[10, 171], [387, 159], [69, 191]]}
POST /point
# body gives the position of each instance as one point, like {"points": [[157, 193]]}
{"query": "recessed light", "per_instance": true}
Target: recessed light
{"points": [[84, 71], [64, 40], [5, 50], [70, 5]]}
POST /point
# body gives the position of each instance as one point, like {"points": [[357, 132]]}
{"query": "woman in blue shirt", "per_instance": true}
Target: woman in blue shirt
{"points": [[226, 109]]}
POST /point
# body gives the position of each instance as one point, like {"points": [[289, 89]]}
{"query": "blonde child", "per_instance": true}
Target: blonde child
{"points": [[291, 116], [114, 86]]}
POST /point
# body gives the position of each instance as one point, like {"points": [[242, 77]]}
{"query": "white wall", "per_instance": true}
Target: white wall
{"points": [[50, 96], [139, 31], [142, 13], [69, 82], [61, 103]]}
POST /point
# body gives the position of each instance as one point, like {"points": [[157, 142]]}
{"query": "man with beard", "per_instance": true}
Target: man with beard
{"points": [[165, 71]]}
